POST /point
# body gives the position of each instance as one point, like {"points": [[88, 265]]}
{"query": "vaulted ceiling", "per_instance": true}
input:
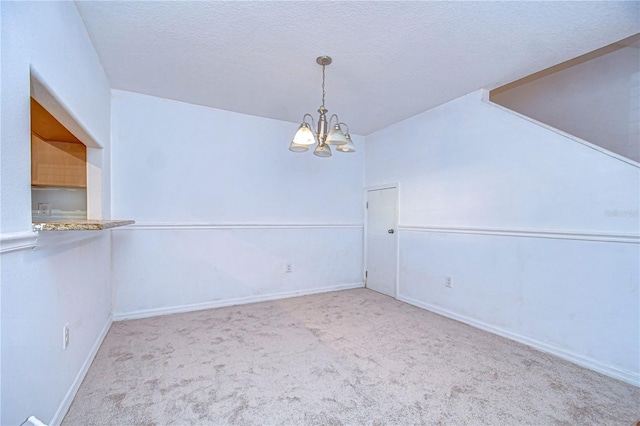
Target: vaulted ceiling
{"points": [[391, 60]]}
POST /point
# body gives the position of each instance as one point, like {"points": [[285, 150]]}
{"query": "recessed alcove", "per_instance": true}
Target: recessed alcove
{"points": [[58, 169], [66, 161]]}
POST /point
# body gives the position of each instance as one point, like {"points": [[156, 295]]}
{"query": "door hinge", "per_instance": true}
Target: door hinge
{"points": [[367, 204], [366, 274]]}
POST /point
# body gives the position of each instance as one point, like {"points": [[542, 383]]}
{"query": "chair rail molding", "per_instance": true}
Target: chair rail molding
{"points": [[529, 233], [141, 226], [14, 241]]}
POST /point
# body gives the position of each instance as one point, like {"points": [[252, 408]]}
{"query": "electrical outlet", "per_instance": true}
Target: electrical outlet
{"points": [[448, 282], [44, 209], [288, 268], [65, 337]]}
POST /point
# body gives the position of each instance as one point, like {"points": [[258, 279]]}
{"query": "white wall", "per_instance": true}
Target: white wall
{"points": [[538, 231], [221, 206], [43, 290], [596, 100]]}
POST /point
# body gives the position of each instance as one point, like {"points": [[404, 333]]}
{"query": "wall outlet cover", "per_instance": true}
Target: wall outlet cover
{"points": [[44, 209]]}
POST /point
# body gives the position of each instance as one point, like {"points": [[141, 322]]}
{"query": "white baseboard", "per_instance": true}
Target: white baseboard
{"points": [[147, 313], [71, 393], [625, 376]]}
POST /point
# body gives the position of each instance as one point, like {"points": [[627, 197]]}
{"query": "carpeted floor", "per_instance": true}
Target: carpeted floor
{"points": [[349, 357]]}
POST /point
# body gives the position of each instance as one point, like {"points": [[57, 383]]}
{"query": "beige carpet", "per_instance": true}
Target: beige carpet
{"points": [[349, 357]]}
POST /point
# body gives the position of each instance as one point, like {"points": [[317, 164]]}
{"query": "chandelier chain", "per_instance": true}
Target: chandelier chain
{"points": [[323, 92]]}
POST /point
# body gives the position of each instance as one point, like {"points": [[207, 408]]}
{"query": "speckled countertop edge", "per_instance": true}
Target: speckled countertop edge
{"points": [[80, 225]]}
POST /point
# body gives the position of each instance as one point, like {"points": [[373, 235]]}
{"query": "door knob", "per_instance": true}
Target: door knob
{"points": [[391, 231]]}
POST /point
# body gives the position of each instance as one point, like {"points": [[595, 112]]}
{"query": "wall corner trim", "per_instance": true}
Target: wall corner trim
{"points": [[630, 377], [75, 386], [15, 241], [147, 313]]}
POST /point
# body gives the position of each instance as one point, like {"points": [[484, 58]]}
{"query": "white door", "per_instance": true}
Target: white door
{"points": [[382, 240]]}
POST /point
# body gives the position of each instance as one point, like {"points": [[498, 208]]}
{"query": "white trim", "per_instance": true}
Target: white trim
{"points": [[529, 233], [147, 313], [384, 186], [396, 186], [15, 241], [365, 218], [41, 91], [626, 376], [198, 226], [485, 99], [71, 393], [397, 241]]}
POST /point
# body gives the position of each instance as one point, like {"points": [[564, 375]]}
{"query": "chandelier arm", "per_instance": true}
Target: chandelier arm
{"points": [[313, 124], [331, 118], [345, 125]]}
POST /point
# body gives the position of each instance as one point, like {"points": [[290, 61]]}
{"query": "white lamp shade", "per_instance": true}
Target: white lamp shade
{"points": [[304, 136], [322, 150], [336, 136], [347, 147], [294, 147]]}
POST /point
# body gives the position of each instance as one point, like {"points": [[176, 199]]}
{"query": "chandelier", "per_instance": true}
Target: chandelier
{"points": [[305, 137]]}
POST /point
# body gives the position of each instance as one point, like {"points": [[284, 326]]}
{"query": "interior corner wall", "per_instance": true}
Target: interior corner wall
{"points": [[538, 232], [54, 284], [222, 206], [597, 100]]}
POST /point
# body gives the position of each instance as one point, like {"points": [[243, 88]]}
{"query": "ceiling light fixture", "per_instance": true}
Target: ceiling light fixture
{"points": [[305, 137]]}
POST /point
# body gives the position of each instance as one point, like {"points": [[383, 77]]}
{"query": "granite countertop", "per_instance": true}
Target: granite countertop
{"points": [[80, 225]]}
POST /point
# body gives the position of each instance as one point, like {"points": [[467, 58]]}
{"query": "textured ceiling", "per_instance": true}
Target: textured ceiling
{"points": [[391, 60]]}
